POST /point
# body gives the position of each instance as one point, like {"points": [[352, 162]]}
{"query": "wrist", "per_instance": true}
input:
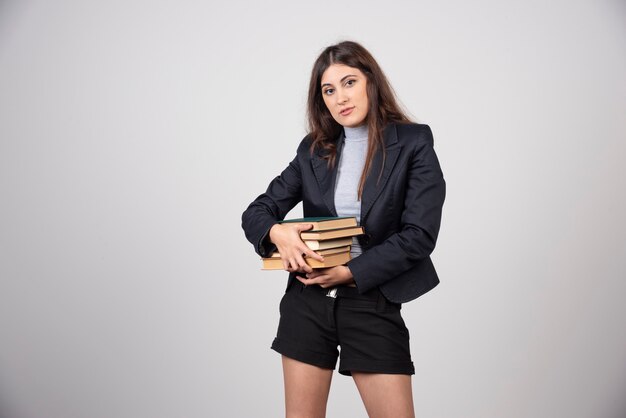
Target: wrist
{"points": [[272, 231], [348, 273]]}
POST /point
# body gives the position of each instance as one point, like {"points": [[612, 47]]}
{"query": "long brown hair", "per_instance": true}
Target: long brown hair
{"points": [[383, 105]]}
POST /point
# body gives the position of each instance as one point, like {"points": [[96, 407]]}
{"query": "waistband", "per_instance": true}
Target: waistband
{"points": [[340, 291], [343, 291]]}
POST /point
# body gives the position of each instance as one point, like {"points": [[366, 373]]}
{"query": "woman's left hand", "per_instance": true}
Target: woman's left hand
{"points": [[328, 277]]}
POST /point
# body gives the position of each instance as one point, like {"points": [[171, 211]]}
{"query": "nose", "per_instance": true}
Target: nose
{"points": [[342, 97]]}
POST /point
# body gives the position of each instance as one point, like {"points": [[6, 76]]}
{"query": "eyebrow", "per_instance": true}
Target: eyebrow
{"points": [[343, 78]]}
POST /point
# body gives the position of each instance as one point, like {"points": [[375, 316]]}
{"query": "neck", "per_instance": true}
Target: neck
{"points": [[357, 133]]}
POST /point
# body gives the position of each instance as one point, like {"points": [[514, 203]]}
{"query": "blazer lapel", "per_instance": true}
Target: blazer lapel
{"points": [[325, 178], [372, 188]]}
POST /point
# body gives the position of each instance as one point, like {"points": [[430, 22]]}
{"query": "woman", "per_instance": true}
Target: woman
{"points": [[363, 157]]}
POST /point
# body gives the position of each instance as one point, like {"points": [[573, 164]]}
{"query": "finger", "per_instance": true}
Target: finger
{"points": [[318, 280], [325, 281], [302, 280], [308, 282], [304, 227], [293, 264], [313, 274], [288, 262], [302, 264], [310, 253]]}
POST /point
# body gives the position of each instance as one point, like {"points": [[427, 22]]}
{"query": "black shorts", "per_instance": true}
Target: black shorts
{"points": [[368, 328]]}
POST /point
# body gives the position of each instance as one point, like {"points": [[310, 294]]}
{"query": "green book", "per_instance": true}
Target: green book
{"points": [[324, 223]]}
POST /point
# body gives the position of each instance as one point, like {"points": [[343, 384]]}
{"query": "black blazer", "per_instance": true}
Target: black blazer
{"points": [[401, 215]]}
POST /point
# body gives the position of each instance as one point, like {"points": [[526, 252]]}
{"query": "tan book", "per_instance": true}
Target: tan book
{"points": [[329, 243], [325, 222], [333, 233], [323, 253], [330, 260]]}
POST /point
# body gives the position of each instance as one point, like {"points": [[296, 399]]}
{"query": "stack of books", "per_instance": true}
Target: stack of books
{"points": [[331, 237]]}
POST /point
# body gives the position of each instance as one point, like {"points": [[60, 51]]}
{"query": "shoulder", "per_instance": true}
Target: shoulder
{"points": [[303, 153], [305, 149], [305, 143], [414, 134]]}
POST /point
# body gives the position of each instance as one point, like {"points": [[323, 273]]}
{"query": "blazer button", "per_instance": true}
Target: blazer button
{"points": [[366, 239]]}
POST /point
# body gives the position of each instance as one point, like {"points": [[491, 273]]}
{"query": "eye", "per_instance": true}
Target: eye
{"points": [[350, 82], [328, 91]]}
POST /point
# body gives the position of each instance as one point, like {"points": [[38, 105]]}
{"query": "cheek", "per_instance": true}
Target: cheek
{"points": [[364, 97], [326, 104]]}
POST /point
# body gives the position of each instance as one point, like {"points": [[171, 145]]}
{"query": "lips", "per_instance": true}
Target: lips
{"points": [[347, 111]]}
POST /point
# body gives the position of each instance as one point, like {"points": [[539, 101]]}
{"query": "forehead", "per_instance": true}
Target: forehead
{"points": [[336, 72]]}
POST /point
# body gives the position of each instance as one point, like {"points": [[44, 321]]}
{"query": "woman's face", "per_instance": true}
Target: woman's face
{"points": [[345, 95]]}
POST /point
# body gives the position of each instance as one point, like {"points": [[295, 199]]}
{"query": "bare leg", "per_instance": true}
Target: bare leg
{"points": [[385, 395], [306, 389]]}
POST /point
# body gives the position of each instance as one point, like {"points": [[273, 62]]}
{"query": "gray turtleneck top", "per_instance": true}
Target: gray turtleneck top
{"points": [[350, 167]]}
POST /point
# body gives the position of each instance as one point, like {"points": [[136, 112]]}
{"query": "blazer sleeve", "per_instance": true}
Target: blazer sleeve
{"points": [[420, 221], [283, 193]]}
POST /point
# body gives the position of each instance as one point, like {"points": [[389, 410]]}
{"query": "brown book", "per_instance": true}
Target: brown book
{"points": [[332, 233], [329, 243], [330, 260], [325, 222], [323, 252]]}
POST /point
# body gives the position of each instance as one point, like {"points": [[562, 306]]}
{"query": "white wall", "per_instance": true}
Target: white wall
{"points": [[133, 134]]}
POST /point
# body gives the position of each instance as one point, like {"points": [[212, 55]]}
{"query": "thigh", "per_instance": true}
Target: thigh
{"points": [[306, 388], [385, 395]]}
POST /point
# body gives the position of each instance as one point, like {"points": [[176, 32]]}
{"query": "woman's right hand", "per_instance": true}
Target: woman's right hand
{"points": [[291, 248]]}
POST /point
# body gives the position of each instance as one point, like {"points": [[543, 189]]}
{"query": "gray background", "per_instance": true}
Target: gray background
{"points": [[133, 134]]}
